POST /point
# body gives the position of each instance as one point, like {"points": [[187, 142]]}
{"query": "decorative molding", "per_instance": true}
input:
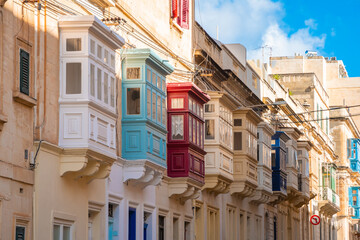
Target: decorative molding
{"points": [[184, 189], [142, 173], [2, 2]]}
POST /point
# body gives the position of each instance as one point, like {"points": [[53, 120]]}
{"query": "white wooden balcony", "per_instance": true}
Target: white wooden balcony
{"points": [[245, 153], [329, 202]]}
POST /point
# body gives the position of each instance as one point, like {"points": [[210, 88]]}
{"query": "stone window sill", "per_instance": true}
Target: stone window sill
{"points": [[24, 99], [176, 26]]}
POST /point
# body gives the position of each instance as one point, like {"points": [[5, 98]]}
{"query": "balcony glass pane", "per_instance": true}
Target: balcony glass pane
{"points": [[112, 92], [92, 80], [153, 106], [177, 127], [177, 103], [106, 88], [99, 84], [158, 109], [209, 129], [237, 140], [73, 44], [133, 101], [73, 78], [148, 102]]}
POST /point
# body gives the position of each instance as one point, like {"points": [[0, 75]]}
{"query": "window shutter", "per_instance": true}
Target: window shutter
{"points": [[184, 19], [175, 8], [24, 71]]}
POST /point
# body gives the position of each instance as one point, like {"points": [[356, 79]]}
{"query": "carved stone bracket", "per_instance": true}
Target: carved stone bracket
{"points": [[142, 173], [2, 2], [217, 184], [184, 189]]}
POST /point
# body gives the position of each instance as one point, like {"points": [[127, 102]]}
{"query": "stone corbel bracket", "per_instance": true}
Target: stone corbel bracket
{"points": [[142, 173], [242, 189], [184, 189], [261, 196], [85, 164], [217, 184]]}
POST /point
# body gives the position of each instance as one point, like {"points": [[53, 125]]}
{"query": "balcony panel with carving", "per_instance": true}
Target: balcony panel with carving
{"points": [[245, 153], [219, 142], [185, 148], [87, 111], [144, 117], [329, 202]]}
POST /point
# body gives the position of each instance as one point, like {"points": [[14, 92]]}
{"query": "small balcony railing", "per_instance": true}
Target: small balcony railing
{"points": [[329, 195]]}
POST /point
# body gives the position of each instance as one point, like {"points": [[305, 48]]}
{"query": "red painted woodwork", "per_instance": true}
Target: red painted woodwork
{"points": [[185, 157]]}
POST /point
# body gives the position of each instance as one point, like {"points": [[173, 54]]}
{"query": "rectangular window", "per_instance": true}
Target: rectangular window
{"points": [[133, 101], [190, 104], [20, 233], [92, 80], [61, 232], [99, 84], [112, 61], [201, 134], [106, 87], [154, 79], [163, 111], [99, 52], [193, 131], [133, 73], [237, 140], [106, 56], [73, 44], [148, 76], [24, 72], [92, 46], [148, 102], [186, 230], [164, 85], [190, 129], [175, 229], [177, 103], [212, 224], [132, 224], [209, 107], [112, 92], [161, 228], [209, 129], [158, 104], [153, 106], [237, 122], [73, 78], [177, 127]]}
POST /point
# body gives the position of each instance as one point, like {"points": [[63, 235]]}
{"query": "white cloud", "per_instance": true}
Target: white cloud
{"points": [[283, 44], [238, 20], [311, 23], [257, 23]]}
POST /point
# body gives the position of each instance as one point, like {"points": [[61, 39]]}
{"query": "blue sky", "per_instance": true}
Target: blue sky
{"points": [[286, 27]]}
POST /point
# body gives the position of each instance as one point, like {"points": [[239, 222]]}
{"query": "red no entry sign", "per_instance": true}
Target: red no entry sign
{"points": [[315, 220]]}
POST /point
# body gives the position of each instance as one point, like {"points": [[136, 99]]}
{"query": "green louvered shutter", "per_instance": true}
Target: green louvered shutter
{"points": [[24, 71]]}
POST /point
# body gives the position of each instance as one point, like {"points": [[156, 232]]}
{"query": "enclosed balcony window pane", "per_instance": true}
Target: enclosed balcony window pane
{"points": [[106, 88], [73, 78], [163, 111], [237, 122], [164, 85], [73, 44], [148, 103], [237, 140], [106, 56], [112, 92], [132, 73], [209, 129], [148, 75], [92, 80], [190, 104], [177, 127], [99, 84], [99, 52], [177, 103], [190, 128], [158, 109], [133, 101], [154, 106], [193, 131], [209, 107], [198, 133], [154, 78], [273, 158], [92, 46], [112, 61]]}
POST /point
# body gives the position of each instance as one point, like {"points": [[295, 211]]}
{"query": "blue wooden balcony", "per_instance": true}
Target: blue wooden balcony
{"points": [[353, 154], [354, 200]]}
